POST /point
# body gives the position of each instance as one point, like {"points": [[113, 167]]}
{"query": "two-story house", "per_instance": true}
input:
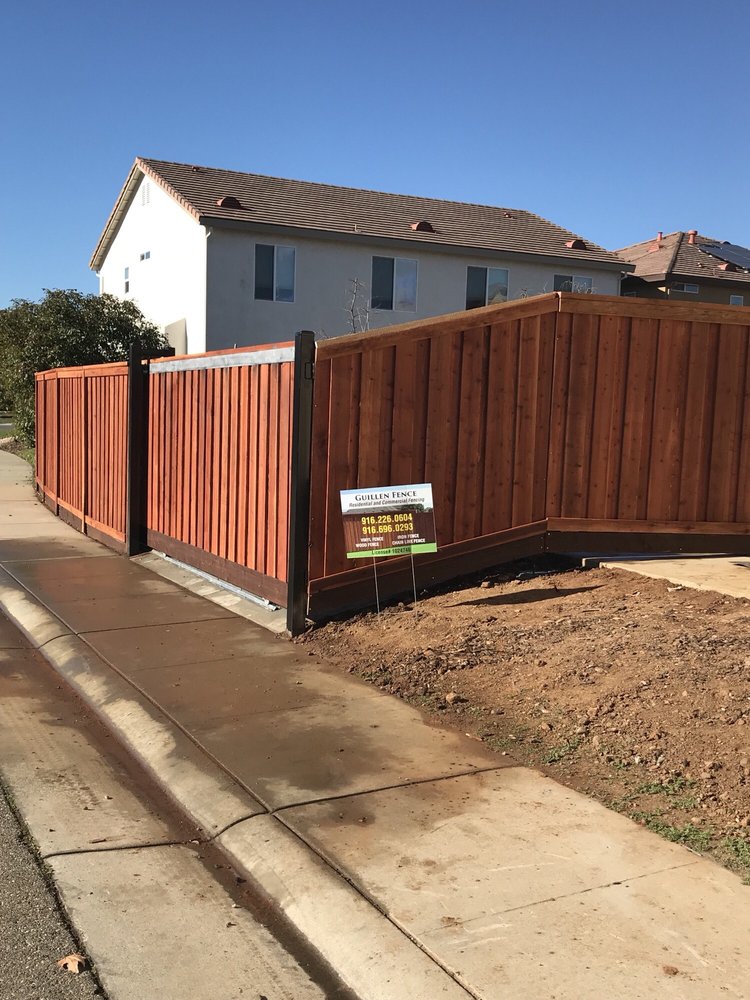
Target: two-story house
{"points": [[690, 267], [218, 258]]}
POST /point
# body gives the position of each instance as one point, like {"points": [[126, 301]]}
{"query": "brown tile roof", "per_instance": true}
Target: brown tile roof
{"points": [[675, 257], [274, 201]]}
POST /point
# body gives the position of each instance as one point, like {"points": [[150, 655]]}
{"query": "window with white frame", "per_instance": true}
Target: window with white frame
{"points": [[394, 284], [126, 280], [274, 272], [574, 283], [486, 286], [146, 255], [736, 300], [686, 286]]}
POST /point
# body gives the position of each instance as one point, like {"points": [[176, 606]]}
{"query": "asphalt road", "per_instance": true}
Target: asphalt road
{"points": [[33, 931]]}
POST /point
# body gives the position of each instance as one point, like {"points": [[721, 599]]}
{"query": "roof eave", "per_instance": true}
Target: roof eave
{"points": [[650, 277], [433, 245], [140, 168], [700, 279], [115, 218]]}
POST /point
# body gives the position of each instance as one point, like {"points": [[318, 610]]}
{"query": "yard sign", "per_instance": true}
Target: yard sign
{"points": [[388, 521]]}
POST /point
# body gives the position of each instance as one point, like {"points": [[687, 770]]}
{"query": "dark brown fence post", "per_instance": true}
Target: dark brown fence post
{"points": [[136, 490], [299, 506]]}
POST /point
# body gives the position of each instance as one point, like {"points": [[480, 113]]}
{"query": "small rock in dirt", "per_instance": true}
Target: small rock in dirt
{"points": [[670, 970], [486, 584], [452, 698]]}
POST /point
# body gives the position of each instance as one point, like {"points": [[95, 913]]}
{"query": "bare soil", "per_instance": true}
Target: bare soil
{"points": [[628, 689]]}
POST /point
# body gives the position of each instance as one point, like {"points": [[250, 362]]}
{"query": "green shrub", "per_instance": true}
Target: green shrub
{"points": [[67, 328]]}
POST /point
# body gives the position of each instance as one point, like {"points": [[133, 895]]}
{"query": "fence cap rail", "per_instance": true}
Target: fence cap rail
{"points": [[466, 319], [240, 359], [109, 368], [223, 350], [637, 308], [537, 305]]}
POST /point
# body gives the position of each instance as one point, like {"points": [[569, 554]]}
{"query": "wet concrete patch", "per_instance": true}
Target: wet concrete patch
{"points": [[211, 796], [80, 577], [57, 546], [74, 797], [137, 649], [235, 689], [546, 841], [338, 745], [10, 637], [104, 614]]}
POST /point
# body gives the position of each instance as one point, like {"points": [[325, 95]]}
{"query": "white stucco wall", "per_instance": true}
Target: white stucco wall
{"points": [[325, 270], [169, 287]]}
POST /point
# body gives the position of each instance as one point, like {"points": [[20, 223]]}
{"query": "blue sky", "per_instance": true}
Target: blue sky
{"points": [[613, 120]]}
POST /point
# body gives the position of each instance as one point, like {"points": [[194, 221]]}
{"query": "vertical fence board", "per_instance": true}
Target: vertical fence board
{"points": [[472, 409], [502, 363], [728, 416], [669, 418]]}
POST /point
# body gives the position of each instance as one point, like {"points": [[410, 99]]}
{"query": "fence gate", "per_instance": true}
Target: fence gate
{"points": [[218, 464]]}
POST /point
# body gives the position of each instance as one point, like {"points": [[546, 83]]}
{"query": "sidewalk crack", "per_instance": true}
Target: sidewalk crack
{"points": [[113, 848], [387, 788], [566, 895]]}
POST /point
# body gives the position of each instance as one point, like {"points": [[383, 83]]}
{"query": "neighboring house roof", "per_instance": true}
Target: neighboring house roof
{"points": [[682, 255], [255, 200]]}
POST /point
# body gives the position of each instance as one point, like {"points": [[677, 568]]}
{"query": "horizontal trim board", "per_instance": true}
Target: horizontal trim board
{"points": [[658, 309], [221, 350], [654, 527], [104, 529], [70, 517], [244, 359], [352, 589], [88, 371], [70, 508], [247, 579], [49, 499], [611, 543], [105, 538]]}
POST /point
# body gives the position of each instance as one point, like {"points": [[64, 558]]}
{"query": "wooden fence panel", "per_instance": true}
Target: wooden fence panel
{"points": [[106, 410], [650, 421], [461, 402], [582, 415], [219, 465], [81, 444]]}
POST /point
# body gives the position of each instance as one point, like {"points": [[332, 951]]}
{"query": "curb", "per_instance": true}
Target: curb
{"points": [[369, 953]]}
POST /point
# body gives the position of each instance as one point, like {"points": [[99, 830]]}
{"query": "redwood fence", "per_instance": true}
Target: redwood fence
{"points": [[219, 461], [81, 447], [559, 423]]}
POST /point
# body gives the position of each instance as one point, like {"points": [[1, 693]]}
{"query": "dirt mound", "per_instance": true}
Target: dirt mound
{"points": [[629, 689]]}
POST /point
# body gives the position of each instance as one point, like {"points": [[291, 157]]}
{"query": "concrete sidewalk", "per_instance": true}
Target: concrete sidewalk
{"points": [[724, 574], [415, 861]]}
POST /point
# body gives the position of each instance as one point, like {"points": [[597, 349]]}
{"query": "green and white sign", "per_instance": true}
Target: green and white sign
{"points": [[388, 521]]}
